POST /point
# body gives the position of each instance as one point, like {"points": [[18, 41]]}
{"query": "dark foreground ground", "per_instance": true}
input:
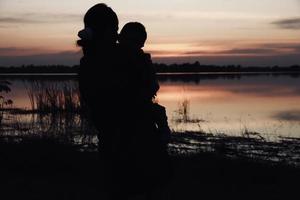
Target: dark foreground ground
{"points": [[45, 170]]}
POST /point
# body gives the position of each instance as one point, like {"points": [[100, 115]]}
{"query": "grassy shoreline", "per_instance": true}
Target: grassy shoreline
{"points": [[47, 169]]}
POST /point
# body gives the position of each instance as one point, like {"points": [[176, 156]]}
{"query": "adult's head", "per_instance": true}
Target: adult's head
{"points": [[101, 27]]}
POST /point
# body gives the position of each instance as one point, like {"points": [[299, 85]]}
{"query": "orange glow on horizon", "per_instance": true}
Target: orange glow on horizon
{"points": [[217, 32]]}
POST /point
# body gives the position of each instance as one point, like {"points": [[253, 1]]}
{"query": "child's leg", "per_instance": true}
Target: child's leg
{"points": [[161, 120]]}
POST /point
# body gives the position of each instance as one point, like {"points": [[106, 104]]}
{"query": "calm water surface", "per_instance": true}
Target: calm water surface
{"points": [[218, 104]]}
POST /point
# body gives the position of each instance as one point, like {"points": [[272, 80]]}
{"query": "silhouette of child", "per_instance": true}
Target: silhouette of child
{"points": [[133, 37]]}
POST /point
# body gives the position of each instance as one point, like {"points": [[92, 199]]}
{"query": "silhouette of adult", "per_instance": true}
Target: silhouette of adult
{"points": [[101, 88], [129, 151], [99, 83]]}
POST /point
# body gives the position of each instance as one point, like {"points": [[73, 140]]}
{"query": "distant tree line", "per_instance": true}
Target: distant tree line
{"points": [[197, 67], [160, 68], [40, 69]]}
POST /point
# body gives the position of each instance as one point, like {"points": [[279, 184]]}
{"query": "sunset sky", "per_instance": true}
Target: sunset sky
{"points": [[246, 32]]}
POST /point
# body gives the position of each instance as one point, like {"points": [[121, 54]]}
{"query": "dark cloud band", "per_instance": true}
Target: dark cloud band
{"points": [[293, 23], [288, 115], [31, 18]]}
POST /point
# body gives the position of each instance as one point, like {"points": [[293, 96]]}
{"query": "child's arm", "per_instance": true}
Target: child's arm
{"points": [[151, 75]]}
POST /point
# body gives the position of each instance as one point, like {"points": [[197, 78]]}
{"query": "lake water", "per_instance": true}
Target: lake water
{"points": [[230, 104]]}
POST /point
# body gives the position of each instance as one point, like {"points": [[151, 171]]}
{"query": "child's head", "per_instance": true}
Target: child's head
{"points": [[133, 34]]}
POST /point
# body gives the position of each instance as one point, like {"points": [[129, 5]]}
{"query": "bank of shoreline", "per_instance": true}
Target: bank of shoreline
{"points": [[46, 169]]}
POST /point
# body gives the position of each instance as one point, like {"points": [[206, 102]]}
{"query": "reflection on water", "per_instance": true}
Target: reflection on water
{"points": [[46, 108], [264, 104], [227, 104]]}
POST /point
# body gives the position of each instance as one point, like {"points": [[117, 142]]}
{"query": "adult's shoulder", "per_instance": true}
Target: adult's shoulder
{"points": [[120, 50], [122, 56], [146, 55], [147, 58]]}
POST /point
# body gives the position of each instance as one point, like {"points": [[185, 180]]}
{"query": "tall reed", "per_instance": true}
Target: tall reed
{"points": [[53, 97]]}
